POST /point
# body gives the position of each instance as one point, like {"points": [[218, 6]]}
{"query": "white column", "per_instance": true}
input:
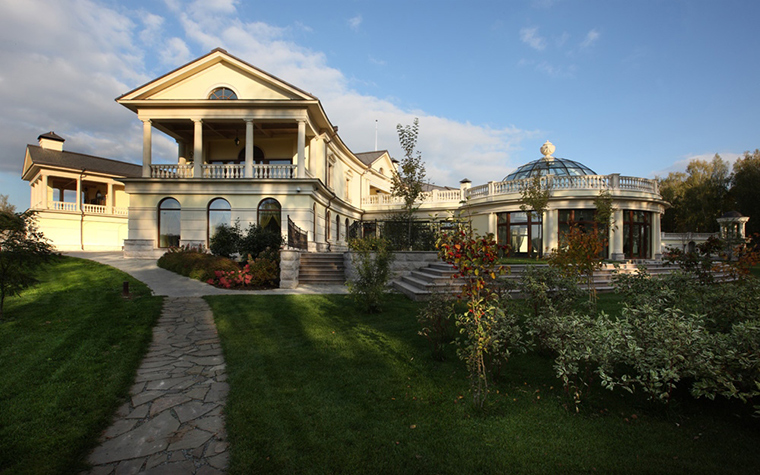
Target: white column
{"points": [[550, 230], [248, 148], [147, 145], [616, 236], [79, 193], [44, 190], [301, 148], [181, 152], [197, 148], [110, 199], [656, 236]]}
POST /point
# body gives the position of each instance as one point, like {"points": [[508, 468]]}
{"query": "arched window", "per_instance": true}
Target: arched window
{"points": [[327, 226], [347, 230], [314, 224], [219, 214], [169, 228], [337, 227], [222, 93], [270, 214]]}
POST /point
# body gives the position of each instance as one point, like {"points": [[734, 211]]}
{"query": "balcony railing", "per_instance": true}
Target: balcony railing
{"points": [[224, 172], [86, 208], [553, 182]]}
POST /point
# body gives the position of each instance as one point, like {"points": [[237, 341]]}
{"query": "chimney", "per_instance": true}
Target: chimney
{"points": [[51, 141]]}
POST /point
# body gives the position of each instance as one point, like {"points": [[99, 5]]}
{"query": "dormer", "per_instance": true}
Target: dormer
{"points": [[51, 141]]}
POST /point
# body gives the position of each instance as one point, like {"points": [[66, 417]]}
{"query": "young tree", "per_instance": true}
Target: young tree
{"points": [[22, 249], [535, 197], [6, 205], [408, 180]]}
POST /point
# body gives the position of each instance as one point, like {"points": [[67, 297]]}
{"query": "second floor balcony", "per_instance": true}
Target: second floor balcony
{"points": [[226, 171]]}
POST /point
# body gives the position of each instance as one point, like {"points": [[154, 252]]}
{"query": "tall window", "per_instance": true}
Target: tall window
{"points": [[337, 227], [327, 226], [222, 93], [169, 228], [219, 214], [583, 219], [636, 232], [521, 231], [270, 214]]}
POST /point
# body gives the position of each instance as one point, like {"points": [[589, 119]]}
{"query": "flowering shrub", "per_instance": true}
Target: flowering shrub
{"points": [[258, 273], [372, 258]]}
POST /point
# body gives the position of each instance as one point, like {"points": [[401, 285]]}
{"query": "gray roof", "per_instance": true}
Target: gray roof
{"points": [[79, 161], [52, 136], [368, 158]]}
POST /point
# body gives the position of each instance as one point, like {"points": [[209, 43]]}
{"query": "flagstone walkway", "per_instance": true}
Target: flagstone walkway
{"points": [[173, 423]]}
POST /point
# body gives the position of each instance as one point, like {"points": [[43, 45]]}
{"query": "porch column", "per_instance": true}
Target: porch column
{"points": [[656, 236], [301, 149], [181, 152], [110, 199], [79, 193], [616, 236], [248, 148], [197, 148], [44, 197], [147, 145]]}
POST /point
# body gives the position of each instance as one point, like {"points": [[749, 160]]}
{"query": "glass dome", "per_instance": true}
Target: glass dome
{"points": [[555, 166]]}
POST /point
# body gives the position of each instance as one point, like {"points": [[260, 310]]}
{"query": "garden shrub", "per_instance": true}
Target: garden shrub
{"points": [[226, 241], [437, 323], [547, 289], [259, 273], [195, 264], [257, 240], [372, 258]]}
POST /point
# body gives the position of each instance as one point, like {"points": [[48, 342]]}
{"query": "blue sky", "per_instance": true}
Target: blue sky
{"points": [[636, 87]]}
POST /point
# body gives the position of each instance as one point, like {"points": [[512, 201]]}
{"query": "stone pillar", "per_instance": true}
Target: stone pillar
{"points": [[491, 223], [464, 185], [147, 147], [290, 264], [616, 236], [550, 230], [656, 236], [197, 148], [248, 148], [181, 152], [301, 149]]}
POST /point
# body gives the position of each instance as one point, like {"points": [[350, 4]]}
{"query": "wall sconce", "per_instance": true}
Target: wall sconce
{"points": [[298, 189], [237, 141]]}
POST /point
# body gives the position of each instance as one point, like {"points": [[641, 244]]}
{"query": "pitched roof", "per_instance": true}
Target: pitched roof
{"points": [[368, 158], [79, 161], [52, 136]]}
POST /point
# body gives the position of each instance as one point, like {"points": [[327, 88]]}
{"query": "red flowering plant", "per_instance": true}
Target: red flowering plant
{"points": [[257, 273], [487, 331]]}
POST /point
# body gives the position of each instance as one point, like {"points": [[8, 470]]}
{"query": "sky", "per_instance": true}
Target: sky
{"points": [[638, 88]]}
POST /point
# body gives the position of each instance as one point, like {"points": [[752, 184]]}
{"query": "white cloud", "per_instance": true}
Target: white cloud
{"points": [[355, 22], [680, 165], [530, 37], [71, 58], [591, 38]]}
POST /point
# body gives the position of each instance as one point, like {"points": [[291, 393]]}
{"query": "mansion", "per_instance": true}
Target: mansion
{"points": [[254, 148]]}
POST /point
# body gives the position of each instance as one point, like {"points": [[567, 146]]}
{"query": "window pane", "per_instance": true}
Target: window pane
{"points": [[519, 238], [519, 217]]}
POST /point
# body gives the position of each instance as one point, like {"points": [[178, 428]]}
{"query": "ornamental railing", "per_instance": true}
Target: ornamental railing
{"points": [[297, 237], [223, 171], [85, 208], [552, 182]]}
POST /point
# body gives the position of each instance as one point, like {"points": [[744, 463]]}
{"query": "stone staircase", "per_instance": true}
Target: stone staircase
{"points": [[321, 268], [418, 285]]}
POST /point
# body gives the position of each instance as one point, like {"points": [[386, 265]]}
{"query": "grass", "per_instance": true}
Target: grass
{"points": [[318, 387], [69, 349]]}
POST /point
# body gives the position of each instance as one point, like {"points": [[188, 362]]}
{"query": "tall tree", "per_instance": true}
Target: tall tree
{"points": [[6, 205], [409, 177], [698, 197], [535, 197], [745, 189]]}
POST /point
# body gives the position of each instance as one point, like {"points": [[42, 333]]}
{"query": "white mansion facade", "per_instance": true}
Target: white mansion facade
{"points": [[252, 147]]}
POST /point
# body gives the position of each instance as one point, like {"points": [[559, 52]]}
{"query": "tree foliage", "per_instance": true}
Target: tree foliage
{"points": [[535, 197], [745, 188], [698, 197], [22, 249], [372, 258]]}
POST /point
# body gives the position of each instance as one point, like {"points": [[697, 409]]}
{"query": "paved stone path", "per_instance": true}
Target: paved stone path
{"points": [[173, 423]]}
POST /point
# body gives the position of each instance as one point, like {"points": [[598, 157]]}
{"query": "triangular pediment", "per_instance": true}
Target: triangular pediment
{"points": [[197, 79]]}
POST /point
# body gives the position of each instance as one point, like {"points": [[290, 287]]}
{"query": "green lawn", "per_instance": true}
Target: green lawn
{"points": [[69, 349], [318, 387]]}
